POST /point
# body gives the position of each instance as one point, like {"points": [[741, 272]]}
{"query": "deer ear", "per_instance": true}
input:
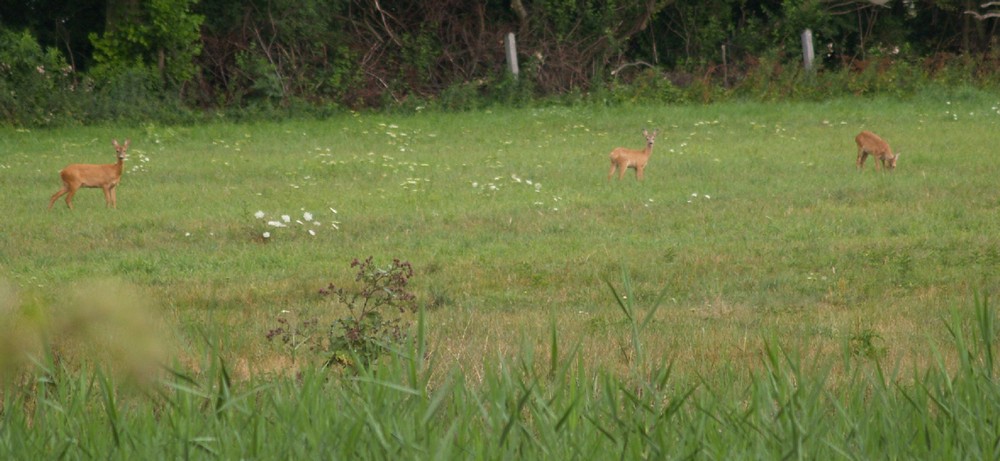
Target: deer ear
{"points": [[127, 142], [114, 142]]}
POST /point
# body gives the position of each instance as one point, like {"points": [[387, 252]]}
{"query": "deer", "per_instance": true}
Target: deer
{"points": [[106, 177], [870, 144], [623, 158]]}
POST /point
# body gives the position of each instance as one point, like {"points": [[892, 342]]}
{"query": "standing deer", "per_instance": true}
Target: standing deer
{"points": [[80, 175], [622, 158], [870, 144]]}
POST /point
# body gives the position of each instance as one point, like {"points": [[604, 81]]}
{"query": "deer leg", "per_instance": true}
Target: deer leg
{"points": [[58, 194], [638, 172], [114, 197], [861, 158], [69, 197], [107, 196], [612, 171]]}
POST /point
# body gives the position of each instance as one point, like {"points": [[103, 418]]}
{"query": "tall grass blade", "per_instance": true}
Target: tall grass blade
{"points": [[677, 403], [225, 383], [370, 379], [566, 414], [110, 407], [439, 397], [418, 349], [987, 331], [514, 415], [553, 349]]}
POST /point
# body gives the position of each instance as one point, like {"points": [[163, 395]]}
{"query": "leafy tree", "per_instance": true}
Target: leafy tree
{"points": [[35, 83], [159, 34]]}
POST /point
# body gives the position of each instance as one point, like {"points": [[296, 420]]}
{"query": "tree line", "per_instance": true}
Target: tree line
{"points": [[100, 59]]}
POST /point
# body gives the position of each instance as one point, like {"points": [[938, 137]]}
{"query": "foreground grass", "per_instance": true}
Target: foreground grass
{"points": [[753, 224], [789, 410]]}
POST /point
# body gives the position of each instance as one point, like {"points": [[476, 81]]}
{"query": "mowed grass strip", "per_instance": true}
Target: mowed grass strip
{"points": [[752, 220]]}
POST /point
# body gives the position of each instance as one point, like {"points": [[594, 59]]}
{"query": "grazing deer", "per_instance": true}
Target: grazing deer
{"points": [[870, 144], [80, 175], [622, 158]]}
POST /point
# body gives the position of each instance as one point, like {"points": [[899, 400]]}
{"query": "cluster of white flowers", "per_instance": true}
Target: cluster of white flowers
{"points": [[497, 183], [415, 184], [139, 164], [400, 140], [816, 277], [307, 221], [953, 116], [830, 124], [696, 196], [555, 201]]}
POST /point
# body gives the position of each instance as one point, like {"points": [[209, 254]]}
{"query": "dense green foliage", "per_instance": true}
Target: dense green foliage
{"points": [[176, 60]]}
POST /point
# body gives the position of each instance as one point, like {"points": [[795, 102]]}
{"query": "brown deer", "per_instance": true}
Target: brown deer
{"points": [[80, 175], [623, 159], [870, 144]]}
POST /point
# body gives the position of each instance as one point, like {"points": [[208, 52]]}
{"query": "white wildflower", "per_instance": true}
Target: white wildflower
{"points": [[259, 214]]}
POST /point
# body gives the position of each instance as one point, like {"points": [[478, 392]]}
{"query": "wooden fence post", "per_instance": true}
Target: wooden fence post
{"points": [[807, 49], [725, 68], [510, 45]]}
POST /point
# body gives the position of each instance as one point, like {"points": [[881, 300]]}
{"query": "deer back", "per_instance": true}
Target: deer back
{"points": [[872, 143]]}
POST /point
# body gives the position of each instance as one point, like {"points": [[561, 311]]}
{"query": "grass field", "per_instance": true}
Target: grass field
{"points": [[752, 223]]}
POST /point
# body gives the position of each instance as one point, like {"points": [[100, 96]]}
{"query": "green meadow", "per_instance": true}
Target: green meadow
{"points": [[756, 296]]}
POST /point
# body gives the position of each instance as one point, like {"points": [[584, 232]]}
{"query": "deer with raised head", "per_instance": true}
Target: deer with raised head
{"points": [[106, 177], [623, 159], [870, 144]]}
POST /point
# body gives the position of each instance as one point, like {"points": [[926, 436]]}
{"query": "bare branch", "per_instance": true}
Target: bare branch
{"points": [[385, 23], [982, 17], [631, 64], [522, 14]]}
